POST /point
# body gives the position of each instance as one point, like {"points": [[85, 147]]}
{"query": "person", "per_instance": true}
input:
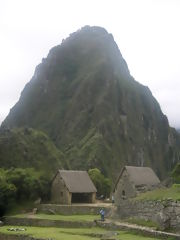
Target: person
{"points": [[112, 199], [102, 213]]}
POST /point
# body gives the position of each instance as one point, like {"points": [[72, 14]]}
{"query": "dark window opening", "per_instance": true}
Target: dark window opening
{"points": [[123, 194], [81, 197], [61, 194]]}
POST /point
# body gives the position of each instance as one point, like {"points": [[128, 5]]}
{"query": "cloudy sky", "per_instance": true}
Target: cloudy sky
{"points": [[146, 31]]}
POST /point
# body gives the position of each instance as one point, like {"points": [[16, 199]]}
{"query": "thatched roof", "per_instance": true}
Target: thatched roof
{"points": [[140, 176], [77, 181]]}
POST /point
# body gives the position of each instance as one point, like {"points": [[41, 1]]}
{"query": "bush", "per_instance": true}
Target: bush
{"points": [[103, 185], [176, 173], [7, 193], [21, 185], [30, 184]]}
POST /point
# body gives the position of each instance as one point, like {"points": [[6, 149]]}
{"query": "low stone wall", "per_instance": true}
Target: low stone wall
{"points": [[144, 231], [46, 222], [108, 224], [164, 212], [17, 237], [70, 209]]}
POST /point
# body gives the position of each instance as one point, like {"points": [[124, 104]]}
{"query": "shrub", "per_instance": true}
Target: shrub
{"points": [[18, 185], [7, 195], [103, 185], [30, 184], [176, 173]]}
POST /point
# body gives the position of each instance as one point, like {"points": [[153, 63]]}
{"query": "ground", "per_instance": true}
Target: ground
{"points": [[72, 233], [65, 227], [162, 193]]}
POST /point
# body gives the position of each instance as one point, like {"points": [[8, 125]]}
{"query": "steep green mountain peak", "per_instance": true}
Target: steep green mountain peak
{"points": [[83, 96]]}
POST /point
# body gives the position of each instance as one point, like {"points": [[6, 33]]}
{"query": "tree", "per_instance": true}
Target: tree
{"points": [[103, 185], [18, 185], [7, 193], [30, 184]]}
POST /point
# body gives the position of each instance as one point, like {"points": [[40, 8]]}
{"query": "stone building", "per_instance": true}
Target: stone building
{"points": [[134, 180], [72, 187]]}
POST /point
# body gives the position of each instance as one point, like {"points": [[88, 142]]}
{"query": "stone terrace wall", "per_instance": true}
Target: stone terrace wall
{"points": [[47, 223], [70, 209], [17, 237], [164, 212]]}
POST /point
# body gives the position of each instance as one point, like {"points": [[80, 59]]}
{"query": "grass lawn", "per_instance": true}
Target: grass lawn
{"points": [[142, 222], [60, 217], [71, 233], [162, 193]]}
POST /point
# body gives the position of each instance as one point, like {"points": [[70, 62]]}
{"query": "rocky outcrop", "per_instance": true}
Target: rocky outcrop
{"points": [[164, 212]]}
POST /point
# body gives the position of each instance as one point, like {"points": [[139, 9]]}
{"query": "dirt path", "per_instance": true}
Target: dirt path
{"points": [[114, 224]]}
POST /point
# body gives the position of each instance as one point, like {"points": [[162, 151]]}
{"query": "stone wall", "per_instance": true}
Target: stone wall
{"points": [[124, 188], [71, 209], [13, 221], [17, 237], [59, 191], [164, 212]]}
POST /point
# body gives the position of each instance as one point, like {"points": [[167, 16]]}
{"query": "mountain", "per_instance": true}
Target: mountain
{"points": [[84, 98], [27, 148]]}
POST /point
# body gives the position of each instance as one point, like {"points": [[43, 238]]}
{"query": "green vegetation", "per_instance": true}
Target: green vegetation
{"points": [[17, 207], [176, 174], [60, 217], [7, 195], [29, 148], [22, 150], [143, 222], [29, 183], [103, 185], [19, 185], [172, 192], [72, 233], [83, 96], [161, 194]]}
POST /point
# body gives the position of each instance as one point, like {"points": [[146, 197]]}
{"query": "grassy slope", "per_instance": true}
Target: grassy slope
{"points": [[26, 147], [161, 194], [71, 233], [143, 222], [60, 217]]}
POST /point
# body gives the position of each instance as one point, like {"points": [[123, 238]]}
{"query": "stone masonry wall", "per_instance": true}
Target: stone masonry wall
{"points": [[164, 212], [59, 191], [124, 188], [17, 237], [70, 209], [13, 221]]}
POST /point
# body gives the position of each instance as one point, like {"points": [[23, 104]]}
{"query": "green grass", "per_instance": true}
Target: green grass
{"points": [[55, 233], [161, 194], [60, 217], [71, 233], [143, 222]]}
